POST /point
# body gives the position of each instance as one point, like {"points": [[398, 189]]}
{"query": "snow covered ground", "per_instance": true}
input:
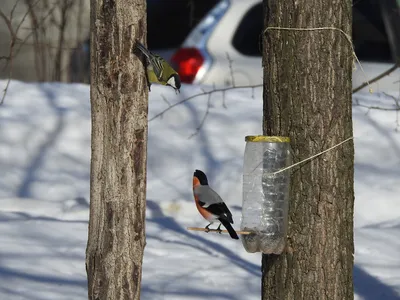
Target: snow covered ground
{"points": [[44, 194]]}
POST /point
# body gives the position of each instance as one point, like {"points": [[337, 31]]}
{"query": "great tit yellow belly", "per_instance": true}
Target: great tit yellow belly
{"points": [[159, 70]]}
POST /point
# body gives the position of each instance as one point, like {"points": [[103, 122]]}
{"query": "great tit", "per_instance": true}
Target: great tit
{"points": [[210, 205], [159, 70]]}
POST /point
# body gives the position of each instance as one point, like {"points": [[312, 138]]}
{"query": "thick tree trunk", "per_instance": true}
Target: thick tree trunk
{"points": [[119, 143], [307, 96]]}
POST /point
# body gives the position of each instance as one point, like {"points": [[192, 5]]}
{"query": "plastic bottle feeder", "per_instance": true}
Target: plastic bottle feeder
{"points": [[265, 193]]}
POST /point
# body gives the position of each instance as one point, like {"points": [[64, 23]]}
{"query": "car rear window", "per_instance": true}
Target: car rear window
{"points": [[370, 38], [169, 22], [247, 38]]}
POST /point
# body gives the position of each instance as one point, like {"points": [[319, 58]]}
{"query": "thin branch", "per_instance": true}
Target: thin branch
{"points": [[396, 100], [397, 103], [204, 118], [35, 32], [18, 28], [13, 9], [5, 90], [396, 108], [202, 94], [9, 25], [39, 31], [13, 37], [64, 13], [380, 76], [230, 61], [217, 231], [166, 100], [377, 107]]}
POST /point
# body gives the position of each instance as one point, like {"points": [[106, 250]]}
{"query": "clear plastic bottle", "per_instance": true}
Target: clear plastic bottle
{"points": [[265, 195]]}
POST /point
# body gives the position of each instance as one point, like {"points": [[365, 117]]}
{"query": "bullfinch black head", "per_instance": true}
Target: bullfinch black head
{"points": [[201, 177]]}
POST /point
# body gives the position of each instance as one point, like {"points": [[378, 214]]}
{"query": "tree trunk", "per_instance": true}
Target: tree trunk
{"points": [[307, 96], [119, 144]]}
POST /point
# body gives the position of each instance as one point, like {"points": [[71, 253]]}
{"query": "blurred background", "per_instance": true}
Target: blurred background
{"points": [[209, 41]]}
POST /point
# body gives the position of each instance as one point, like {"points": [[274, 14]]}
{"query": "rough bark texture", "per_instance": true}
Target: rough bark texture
{"points": [[119, 145], [307, 96]]}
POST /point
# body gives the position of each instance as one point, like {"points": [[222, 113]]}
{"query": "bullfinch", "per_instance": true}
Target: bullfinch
{"points": [[210, 205]]}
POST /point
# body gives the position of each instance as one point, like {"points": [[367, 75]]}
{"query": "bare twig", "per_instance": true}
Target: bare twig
{"points": [[64, 10], [40, 57], [80, 59], [39, 30], [13, 38], [396, 108], [19, 26], [396, 100], [230, 61], [8, 20], [204, 118], [166, 100], [202, 94], [378, 107], [217, 231], [380, 76]]}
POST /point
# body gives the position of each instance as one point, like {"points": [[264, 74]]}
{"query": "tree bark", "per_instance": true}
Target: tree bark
{"points": [[119, 145], [307, 96]]}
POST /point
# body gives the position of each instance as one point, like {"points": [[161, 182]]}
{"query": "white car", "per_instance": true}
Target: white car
{"points": [[226, 45]]}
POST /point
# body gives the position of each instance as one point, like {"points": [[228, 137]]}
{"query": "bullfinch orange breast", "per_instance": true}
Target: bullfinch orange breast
{"points": [[210, 205]]}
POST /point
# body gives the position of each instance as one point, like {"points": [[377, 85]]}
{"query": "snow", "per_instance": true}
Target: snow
{"points": [[44, 194]]}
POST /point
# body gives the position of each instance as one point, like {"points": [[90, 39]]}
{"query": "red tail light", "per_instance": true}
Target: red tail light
{"points": [[188, 62]]}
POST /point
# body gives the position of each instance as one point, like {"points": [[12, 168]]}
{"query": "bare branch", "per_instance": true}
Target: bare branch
{"points": [[40, 56], [13, 9], [216, 230], [230, 61], [396, 108], [9, 25], [378, 107], [396, 101], [204, 117], [380, 76], [13, 39], [64, 11], [202, 94], [166, 100], [397, 104]]}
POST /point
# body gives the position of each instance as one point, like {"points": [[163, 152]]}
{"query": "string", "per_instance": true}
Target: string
{"points": [[309, 158]]}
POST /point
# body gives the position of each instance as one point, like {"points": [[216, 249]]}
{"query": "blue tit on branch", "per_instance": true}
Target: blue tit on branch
{"points": [[159, 70]]}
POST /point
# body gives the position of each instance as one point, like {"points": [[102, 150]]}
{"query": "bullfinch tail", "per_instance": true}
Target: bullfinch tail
{"points": [[210, 205]]}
